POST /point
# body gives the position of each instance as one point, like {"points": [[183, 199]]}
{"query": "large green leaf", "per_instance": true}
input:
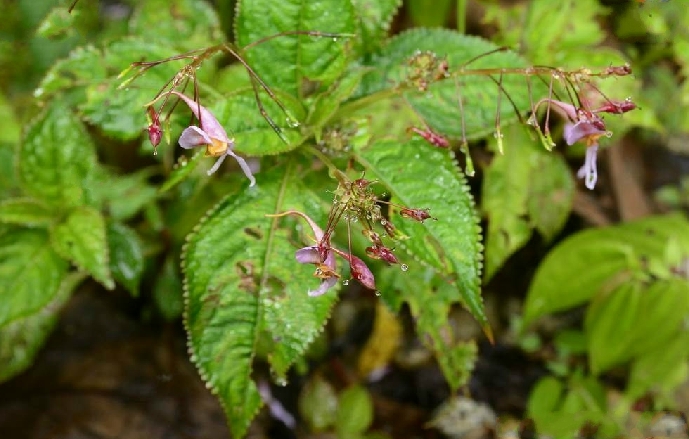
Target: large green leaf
{"points": [[56, 158], [600, 260], [375, 17], [30, 273], [242, 279], [439, 105], [21, 339], [81, 238], [25, 212], [289, 61], [421, 176]]}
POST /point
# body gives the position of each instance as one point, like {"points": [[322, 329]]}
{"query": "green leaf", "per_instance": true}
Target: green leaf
{"points": [[167, 292], [600, 260], [26, 212], [21, 339], [58, 23], [420, 176], [30, 273], [551, 193], [81, 238], [327, 103], [318, 404], [183, 24], [124, 196], [89, 79], [658, 369], [241, 116], [126, 256], [181, 171], [242, 279], [355, 411], [375, 18], [430, 13], [56, 158], [439, 106], [287, 62]]}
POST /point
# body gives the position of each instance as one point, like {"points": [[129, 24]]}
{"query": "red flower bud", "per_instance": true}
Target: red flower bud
{"points": [[419, 215]]}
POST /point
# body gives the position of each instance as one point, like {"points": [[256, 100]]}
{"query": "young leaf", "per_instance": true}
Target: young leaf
{"points": [[30, 273], [56, 158], [421, 176], [439, 104], [21, 339], [81, 239], [374, 19], [241, 279], [126, 256], [26, 212], [289, 61]]}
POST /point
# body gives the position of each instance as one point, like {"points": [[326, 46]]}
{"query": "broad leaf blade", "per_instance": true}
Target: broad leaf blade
{"points": [[241, 279], [374, 19], [56, 158], [81, 239], [21, 339], [25, 212], [30, 273], [439, 105], [288, 61], [421, 176]]}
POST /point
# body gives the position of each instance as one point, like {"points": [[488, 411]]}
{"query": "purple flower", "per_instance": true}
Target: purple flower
{"points": [[211, 135], [581, 125]]}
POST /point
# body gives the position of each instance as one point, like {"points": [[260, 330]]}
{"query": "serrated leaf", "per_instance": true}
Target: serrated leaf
{"points": [[56, 158], [439, 105], [89, 78], [81, 238], [240, 115], [21, 339], [327, 103], [421, 176], [30, 273], [58, 23], [25, 212], [289, 61], [183, 24], [374, 19], [599, 260], [241, 279], [126, 256]]}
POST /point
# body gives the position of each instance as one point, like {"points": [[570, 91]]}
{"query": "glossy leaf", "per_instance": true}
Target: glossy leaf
{"points": [[598, 261], [374, 20], [439, 105], [81, 238], [21, 339], [287, 62], [421, 176], [56, 159], [126, 256], [25, 212], [241, 280], [30, 273]]}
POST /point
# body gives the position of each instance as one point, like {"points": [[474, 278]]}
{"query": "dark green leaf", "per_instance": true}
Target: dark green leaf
{"points": [[21, 339], [167, 292], [287, 62], [430, 13], [355, 411], [439, 106], [420, 176], [56, 159], [26, 212], [375, 17], [182, 170], [81, 239], [30, 273], [241, 279], [126, 256]]}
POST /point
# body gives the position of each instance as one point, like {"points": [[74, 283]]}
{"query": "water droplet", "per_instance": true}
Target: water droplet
{"points": [[532, 121], [281, 382], [292, 122], [383, 222], [335, 39], [608, 134], [345, 282], [155, 152], [377, 293], [404, 267], [498, 135]]}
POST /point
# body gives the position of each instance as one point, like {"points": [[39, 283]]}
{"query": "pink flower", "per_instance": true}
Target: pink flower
{"points": [[581, 125], [212, 135]]}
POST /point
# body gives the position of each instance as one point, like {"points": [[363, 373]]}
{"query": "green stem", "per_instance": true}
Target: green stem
{"points": [[462, 16], [323, 158]]}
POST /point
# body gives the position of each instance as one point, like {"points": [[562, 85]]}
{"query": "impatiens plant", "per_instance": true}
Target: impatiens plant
{"points": [[355, 147]]}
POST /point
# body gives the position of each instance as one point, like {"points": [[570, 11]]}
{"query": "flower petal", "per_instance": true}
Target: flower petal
{"points": [[244, 165], [589, 172], [217, 164], [193, 137], [208, 122], [325, 285], [580, 130], [308, 255]]}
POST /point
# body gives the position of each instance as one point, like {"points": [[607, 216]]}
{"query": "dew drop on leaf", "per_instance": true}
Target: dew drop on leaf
{"points": [[345, 282], [404, 267]]}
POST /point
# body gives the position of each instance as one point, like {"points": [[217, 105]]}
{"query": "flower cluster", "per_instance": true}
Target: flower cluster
{"points": [[356, 203]]}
